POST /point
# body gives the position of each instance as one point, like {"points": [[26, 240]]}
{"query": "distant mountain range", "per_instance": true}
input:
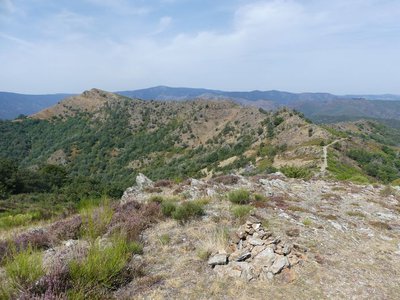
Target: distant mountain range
{"points": [[13, 104], [314, 105]]}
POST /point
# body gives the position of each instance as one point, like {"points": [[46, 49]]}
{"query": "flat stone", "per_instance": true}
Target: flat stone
{"points": [[256, 250], [265, 258], [218, 259], [279, 264], [256, 241]]}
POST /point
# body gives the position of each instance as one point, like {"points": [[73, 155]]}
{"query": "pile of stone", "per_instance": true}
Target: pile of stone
{"points": [[256, 254]]}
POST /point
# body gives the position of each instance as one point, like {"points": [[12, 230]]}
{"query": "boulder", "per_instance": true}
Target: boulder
{"points": [[142, 181], [279, 264], [218, 259]]}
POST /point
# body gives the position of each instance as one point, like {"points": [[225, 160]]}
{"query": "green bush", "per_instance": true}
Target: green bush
{"points": [[296, 172], [259, 197], [188, 210], [15, 220], [168, 208], [240, 196], [241, 211], [396, 182]]}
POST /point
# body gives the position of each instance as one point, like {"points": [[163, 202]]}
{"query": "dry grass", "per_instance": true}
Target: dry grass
{"points": [[355, 214]]}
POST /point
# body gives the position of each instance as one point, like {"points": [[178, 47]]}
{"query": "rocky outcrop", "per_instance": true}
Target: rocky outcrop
{"points": [[136, 192]]}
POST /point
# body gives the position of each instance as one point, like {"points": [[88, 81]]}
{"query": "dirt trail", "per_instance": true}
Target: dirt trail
{"points": [[325, 155]]}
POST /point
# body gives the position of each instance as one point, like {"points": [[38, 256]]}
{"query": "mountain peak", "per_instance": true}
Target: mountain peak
{"points": [[89, 101]]}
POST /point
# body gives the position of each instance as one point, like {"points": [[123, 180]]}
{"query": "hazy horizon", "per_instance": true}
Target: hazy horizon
{"points": [[339, 47]]}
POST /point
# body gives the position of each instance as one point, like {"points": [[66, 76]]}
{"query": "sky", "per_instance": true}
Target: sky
{"points": [[337, 46]]}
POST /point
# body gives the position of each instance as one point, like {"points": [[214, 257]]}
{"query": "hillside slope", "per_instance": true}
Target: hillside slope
{"points": [[113, 138], [287, 238]]}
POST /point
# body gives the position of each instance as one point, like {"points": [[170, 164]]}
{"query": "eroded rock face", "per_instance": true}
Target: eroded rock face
{"points": [[142, 181], [257, 255], [136, 192]]}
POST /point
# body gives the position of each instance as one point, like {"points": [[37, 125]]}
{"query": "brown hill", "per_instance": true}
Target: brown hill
{"points": [[88, 101]]}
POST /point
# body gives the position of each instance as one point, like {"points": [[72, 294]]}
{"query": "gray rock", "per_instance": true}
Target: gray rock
{"points": [[142, 181], [244, 256], [279, 264], [287, 249], [255, 241], [247, 270], [241, 232], [218, 259], [265, 258]]}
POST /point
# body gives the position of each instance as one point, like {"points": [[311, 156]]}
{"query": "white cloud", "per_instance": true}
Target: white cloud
{"points": [[292, 45]]}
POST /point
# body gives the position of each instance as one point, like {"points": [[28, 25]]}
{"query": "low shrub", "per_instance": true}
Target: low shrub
{"points": [[168, 208], [66, 229], [15, 220], [132, 217], [165, 239], [203, 254], [241, 211], [387, 191], [296, 172], [259, 197], [163, 183], [188, 210], [355, 214], [307, 222], [37, 238], [227, 179], [240, 196]]}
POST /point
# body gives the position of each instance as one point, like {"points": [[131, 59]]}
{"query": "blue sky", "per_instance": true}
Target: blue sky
{"points": [[340, 46]]}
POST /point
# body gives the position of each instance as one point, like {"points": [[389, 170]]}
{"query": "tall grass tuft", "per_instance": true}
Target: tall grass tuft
{"points": [[240, 196], [103, 268], [23, 268], [95, 219]]}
